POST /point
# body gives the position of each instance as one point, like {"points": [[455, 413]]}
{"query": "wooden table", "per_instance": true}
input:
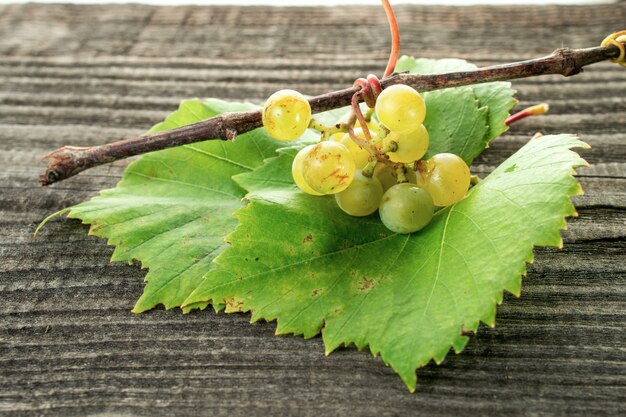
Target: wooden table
{"points": [[88, 75]]}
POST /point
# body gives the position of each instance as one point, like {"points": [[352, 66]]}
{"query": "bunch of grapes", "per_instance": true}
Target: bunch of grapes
{"points": [[384, 173]]}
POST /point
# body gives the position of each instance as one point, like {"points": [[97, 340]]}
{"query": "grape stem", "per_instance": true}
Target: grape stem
{"points": [[327, 131], [68, 161], [368, 170]]}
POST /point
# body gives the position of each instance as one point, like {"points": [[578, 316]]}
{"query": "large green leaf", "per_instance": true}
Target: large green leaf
{"points": [[172, 208], [461, 120], [301, 261]]}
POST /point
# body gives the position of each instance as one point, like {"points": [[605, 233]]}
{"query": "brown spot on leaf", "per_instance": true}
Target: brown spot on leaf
{"points": [[315, 293], [232, 305], [366, 284], [308, 238]]}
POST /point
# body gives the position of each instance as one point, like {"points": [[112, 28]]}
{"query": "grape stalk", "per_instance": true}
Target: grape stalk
{"points": [[68, 161]]}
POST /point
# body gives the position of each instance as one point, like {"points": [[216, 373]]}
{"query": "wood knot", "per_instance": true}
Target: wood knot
{"points": [[569, 66]]}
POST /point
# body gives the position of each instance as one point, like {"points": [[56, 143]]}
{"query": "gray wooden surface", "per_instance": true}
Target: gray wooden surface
{"points": [[88, 75]]}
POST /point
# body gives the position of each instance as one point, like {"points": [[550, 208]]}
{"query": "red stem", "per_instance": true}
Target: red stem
{"points": [[359, 116], [530, 111]]}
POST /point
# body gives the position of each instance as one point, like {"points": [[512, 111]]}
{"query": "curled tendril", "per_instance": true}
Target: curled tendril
{"points": [[617, 39], [370, 86]]}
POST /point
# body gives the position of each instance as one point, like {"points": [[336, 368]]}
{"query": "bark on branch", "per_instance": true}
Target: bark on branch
{"points": [[68, 161]]}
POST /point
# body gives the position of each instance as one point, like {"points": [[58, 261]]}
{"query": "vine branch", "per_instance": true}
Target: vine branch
{"points": [[68, 161]]}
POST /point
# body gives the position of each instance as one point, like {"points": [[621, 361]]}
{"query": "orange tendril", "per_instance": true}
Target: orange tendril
{"points": [[395, 38]]}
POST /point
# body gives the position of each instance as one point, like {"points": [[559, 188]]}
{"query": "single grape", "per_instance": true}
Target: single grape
{"points": [[406, 208], [328, 167], [286, 115], [446, 178], [411, 146], [362, 197], [400, 108], [360, 155], [296, 171]]}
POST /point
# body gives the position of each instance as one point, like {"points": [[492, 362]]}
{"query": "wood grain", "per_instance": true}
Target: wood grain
{"points": [[91, 74]]}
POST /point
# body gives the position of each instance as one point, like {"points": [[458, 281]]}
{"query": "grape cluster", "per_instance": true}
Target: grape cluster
{"points": [[384, 173]]}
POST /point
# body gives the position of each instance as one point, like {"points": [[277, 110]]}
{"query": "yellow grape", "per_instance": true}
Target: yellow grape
{"points": [[447, 178], [286, 115], [328, 168], [400, 108], [411, 146], [296, 171]]}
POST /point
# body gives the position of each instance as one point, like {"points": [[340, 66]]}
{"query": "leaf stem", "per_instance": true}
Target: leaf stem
{"points": [[68, 161]]}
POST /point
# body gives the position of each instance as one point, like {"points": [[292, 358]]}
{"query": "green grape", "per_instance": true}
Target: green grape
{"points": [[400, 108], [362, 197], [406, 208], [360, 155], [328, 167], [286, 115], [386, 175], [446, 178], [411, 146], [296, 171]]}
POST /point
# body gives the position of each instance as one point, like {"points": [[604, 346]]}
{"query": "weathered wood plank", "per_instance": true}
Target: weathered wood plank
{"points": [[88, 75]]}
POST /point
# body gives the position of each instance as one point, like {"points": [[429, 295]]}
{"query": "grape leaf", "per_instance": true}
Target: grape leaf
{"points": [[172, 208], [461, 120], [299, 260]]}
